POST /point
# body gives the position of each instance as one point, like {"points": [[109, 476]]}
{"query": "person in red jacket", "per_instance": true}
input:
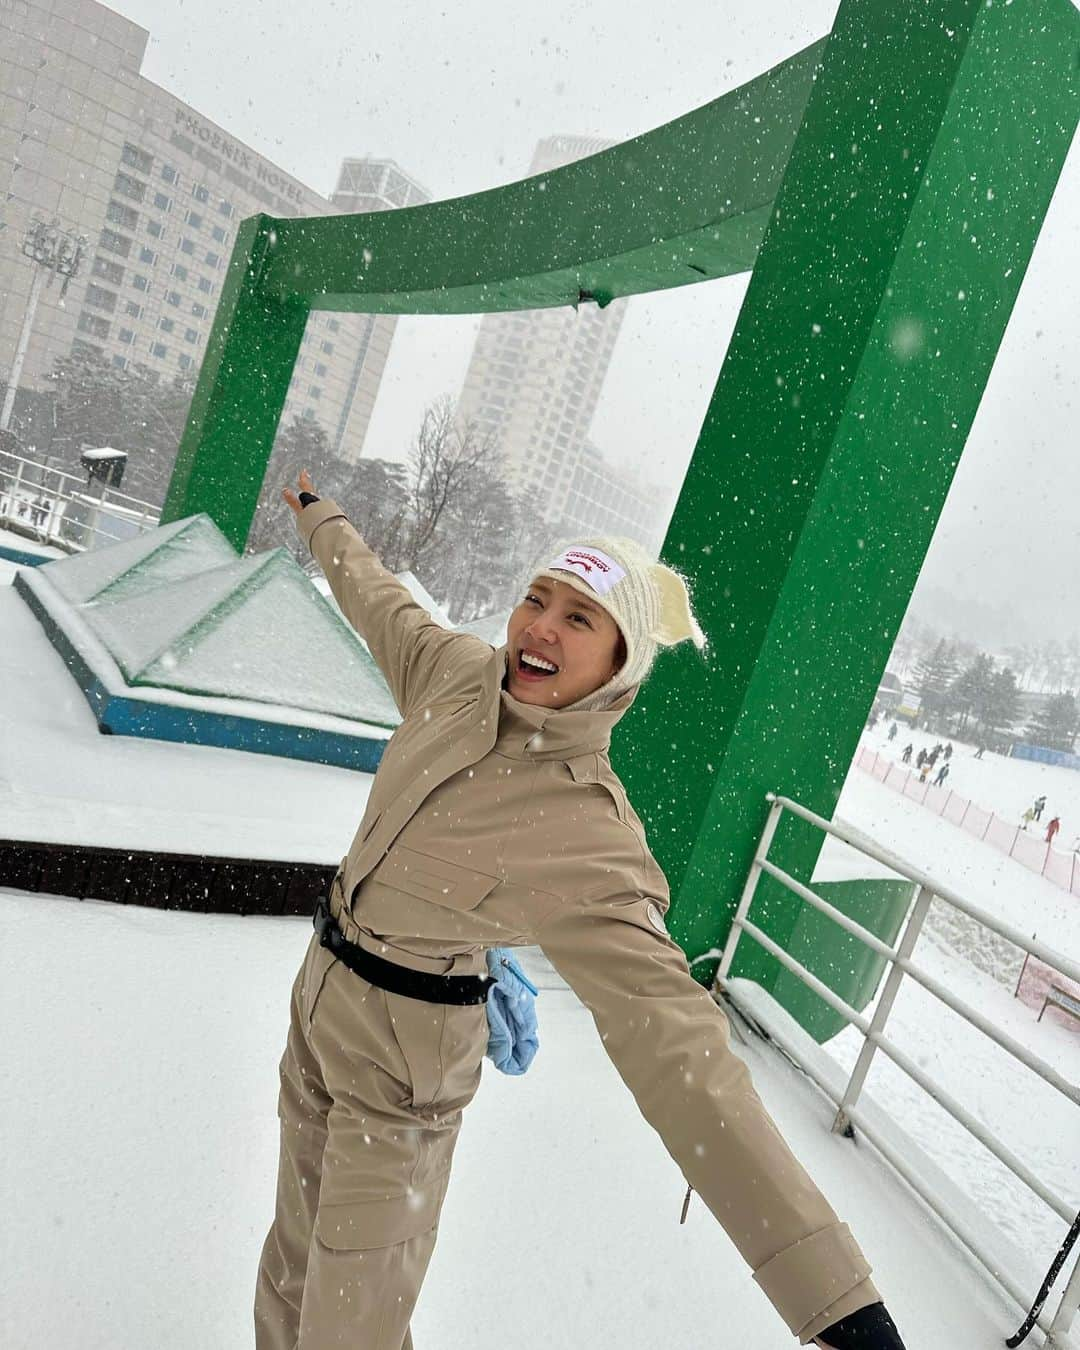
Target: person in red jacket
{"points": [[1052, 829]]}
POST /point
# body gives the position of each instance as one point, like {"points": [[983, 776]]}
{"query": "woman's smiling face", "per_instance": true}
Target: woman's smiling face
{"points": [[562, 627]]}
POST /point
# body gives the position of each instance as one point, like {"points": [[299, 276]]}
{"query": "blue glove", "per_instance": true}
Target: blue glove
{"points": [[511, 1013]]}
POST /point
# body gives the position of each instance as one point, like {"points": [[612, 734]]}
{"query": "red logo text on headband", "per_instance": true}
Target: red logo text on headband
{"points": [[593, 567]]}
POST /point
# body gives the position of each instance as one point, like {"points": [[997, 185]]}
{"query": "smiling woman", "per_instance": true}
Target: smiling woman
{"points": [[496, 820]]}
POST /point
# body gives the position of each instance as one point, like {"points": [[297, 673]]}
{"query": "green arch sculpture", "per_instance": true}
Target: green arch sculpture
{"points": [[886, 187]]}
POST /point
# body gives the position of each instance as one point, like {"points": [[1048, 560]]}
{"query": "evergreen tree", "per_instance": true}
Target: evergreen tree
{"points": [[934, 676], [1000, 706], [969, 690], [1056, 724]]}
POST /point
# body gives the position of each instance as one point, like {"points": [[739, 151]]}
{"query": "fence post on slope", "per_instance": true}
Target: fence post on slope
{"points": [[1072, 875], [945, 804], [986, 827], [1016, 836], [1046, 859], [967, 808]]}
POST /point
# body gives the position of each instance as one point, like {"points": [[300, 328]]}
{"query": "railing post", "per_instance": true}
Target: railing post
{"points": [[1067, 1310], [841, 1124], [752, 878]]}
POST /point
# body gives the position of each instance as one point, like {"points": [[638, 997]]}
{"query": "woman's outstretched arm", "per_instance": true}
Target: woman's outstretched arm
{"points": [[669, 1042], [409, 647]]}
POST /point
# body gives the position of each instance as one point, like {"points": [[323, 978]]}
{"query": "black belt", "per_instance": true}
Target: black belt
{"points": [[460, 990]]}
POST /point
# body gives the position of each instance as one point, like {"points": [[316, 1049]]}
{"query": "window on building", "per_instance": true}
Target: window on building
{"points": [[172, 297], [226, 208], [198, 310], [328, 348], [166, 325], [136, 158], [147, 255], [187, 245], [123, 215], [179, 271], [155, 228], [111, 271], [162, 202], [100, 298], [333, 325], [115, 243], [220, 235], [212, 259], [168, 173], [158, 349], [194, 219], [320, 369], [200, 193], [126, 335], [140, 282], [94, 324], [134, 309], [127, 186], [315, 391], [191, 335], [205, 284], [185, 361], [308, 414]]}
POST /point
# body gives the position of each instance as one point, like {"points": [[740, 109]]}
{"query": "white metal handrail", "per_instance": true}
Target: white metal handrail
{"points": [[29, 488], [875, 1039]]}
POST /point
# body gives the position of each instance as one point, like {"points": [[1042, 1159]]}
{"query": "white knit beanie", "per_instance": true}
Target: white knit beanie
{"points": [[647, 599]]}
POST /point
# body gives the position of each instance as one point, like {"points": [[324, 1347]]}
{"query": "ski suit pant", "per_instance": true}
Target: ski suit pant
{"points": [[372, 1089]]}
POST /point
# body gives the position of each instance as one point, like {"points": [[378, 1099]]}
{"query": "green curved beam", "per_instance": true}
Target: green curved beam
{"points": [[887, 187]]}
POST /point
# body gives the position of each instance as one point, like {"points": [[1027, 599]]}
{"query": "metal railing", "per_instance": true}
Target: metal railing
{"points": [[875, 1039], [57, 507]]}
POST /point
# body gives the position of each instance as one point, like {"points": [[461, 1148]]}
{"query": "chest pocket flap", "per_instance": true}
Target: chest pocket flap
{"points": [[434, 879], [586, 769]]}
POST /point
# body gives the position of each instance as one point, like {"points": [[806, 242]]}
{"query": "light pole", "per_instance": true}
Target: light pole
{"points": [[58, 253]]}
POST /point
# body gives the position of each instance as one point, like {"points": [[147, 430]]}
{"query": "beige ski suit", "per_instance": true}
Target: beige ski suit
{"points": [[493, 822]]}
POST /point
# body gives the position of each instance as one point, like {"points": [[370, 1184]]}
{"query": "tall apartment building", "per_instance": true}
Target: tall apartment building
{"points": [[608, 499], [157, 190], [535, 377]]}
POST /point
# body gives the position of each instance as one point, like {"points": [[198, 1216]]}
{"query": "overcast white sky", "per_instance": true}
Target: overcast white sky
{"points": [[459, 95]]}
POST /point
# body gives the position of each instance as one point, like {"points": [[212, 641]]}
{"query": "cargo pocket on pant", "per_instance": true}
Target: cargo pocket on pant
{"points": [[363, 1225]]}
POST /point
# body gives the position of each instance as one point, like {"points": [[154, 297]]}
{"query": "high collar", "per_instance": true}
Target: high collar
{"points": [[528, 731]]}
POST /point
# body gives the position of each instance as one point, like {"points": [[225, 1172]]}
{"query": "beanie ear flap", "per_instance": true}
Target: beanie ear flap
{"points": [[677, 620]]}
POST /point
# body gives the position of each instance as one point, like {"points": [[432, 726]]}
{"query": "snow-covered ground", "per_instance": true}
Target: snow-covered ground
{"points": [[138, 1153], [139, 1139]]}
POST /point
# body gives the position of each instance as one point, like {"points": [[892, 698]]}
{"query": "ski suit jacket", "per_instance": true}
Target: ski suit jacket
{"points": [[493, 822]]}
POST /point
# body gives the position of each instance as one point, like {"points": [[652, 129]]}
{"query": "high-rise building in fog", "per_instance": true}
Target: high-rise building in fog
{"points": [[157, 190], [533, 383]]}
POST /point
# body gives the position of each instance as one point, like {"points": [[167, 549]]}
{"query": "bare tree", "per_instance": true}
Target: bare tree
{"points": [[445, 463]]}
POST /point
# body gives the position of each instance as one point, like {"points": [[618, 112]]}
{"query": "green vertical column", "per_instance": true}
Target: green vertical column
{"points": [[909, 209], [242, 386]]}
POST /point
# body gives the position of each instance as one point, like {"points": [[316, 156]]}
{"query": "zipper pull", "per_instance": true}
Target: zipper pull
{"points": [[686, 1204], [520, 975]]}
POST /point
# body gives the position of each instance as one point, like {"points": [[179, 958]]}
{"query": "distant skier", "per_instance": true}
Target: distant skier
{"points": [[1040, 807], [892, 732], [906, 756], [920, 759], [933, 755], [1027, 817], [948, 751], [1052, 829], [980, 752], [942, 774], [925, 770]]}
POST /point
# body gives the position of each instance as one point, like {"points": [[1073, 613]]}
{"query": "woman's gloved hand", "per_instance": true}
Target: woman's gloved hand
{"points": [[869, 1328], [306, 496]]}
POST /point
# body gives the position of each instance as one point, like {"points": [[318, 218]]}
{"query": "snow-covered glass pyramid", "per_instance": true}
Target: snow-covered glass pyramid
{"points": [[177, 609]]}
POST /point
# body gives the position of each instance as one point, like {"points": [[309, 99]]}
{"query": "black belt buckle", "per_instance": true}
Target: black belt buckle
{"points": [[325, 925]]}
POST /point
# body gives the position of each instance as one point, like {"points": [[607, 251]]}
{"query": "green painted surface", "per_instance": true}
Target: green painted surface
{"points": [[887, 187], [836, 957]]}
